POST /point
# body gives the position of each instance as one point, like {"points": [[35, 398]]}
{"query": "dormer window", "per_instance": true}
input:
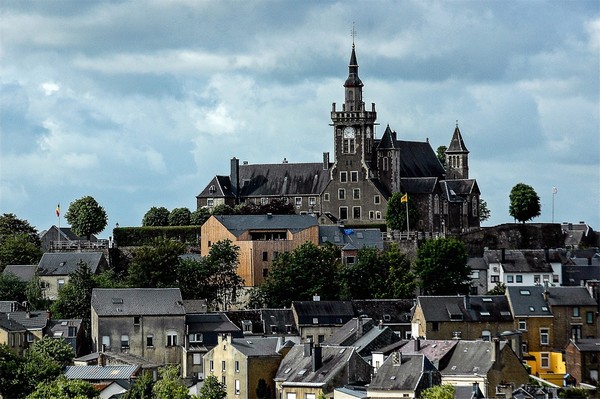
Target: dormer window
{"points": [[212, 189]]}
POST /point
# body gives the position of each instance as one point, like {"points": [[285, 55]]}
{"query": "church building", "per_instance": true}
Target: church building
{"points": [[353, 189]]}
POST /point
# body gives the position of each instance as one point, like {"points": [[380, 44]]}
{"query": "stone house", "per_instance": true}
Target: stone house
{"points": [[575, 312], [145, 322], [261, 238], [240, 363], [318, 320], [582, 360], [12, 334]]}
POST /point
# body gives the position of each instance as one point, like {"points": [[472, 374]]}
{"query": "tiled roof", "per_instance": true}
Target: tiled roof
{"points": [[570, 296], [587, 344], [9, 324], [437, 351], [283, 179], [419, 185], [137, 301], [238, 224], [390, 311], [405, 375], [523, 261], [65, 263], [22, 272], [348, 333], [97, 373], [457, 144], [61, 326]]}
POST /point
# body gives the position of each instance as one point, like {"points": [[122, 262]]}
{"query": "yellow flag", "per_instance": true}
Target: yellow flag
{"points": [[404, 198]]}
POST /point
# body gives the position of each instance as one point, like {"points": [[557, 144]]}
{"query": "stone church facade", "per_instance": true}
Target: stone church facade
{"points": [[354, 188]]}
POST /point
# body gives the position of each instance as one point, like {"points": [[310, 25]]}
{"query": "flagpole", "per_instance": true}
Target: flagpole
{"points": [[58, 215], [407, 221]]}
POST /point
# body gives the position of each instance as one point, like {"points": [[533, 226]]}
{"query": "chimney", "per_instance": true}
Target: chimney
{"points": [[325, 160], [308, 347], [503, 255], [235, 177], [495, 349], [546, 291], [317, 357], [547, 255], [380, 324], [359, 327], [101, 360], [417, 344], [589, 260]]}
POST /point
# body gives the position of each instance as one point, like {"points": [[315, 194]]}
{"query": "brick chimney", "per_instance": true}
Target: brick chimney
{"points": [[317, 357]]}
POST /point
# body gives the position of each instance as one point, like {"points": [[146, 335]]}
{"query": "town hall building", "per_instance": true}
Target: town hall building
{"points": [[354, 188]]}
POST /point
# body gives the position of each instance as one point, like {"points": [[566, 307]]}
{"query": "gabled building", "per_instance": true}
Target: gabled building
{"points": [[24, 273], [64, 239], [575, 312], [393, 313], [403, 376], [582, 360], [317, 320], [35, 322], [146, 322], [12, 334], [354, 187], [261, 238], [437, 351], [71, 331], [241, 363], [364, 335], [465, 317], [350, 241], [310, 370], [56, 268]]}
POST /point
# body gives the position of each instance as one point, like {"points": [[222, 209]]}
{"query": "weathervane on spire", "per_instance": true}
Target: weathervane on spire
{"points": [[457, 123], [353, 34]]}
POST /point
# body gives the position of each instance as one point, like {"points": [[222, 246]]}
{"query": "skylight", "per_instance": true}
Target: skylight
{"points": [[525, 292], [486, 299]]}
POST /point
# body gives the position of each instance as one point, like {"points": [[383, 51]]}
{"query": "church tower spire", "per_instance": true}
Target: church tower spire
{"points": [[353, 85], [457, 157]]}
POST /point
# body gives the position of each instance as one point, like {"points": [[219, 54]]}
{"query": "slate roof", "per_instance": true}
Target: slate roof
{"points": [[96, 373], [210, 322], [239, 317], [477, 263], [34, 320], [403, 375], [195, 306], [7, 323], [522, 261], [347, 334], [238, 224], [419, 185], [257, 346], [437, 351], [137, 301], [65, 263], [22, 272], [575, 275], [391, 311], [470, 357], [453, 190], [283, 179], [570, 296], [280, 318], [60, 327], [327, 312], [528, 301], [587, 344], [461, 308], [219, 186], [67, 234], [457, 144], [357, 238], [9, 306], [375, 339]]}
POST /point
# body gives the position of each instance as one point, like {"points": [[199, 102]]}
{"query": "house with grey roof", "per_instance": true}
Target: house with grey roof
{"points": [[261, 238], [317, 320], [393, 313], [64, 239], [581, 359], [366, 169], [71, 331], [403, 376], [350, 240], [309, 370], [147, 322], [110, 380], [24, 273], [55, 268], [35, 322], [534, 320], [436, 350], [241, 363], [363, 334], [13, 334]]}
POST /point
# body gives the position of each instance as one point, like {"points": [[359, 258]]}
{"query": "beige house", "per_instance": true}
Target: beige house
{"points": [[12, 334], [146, 322], [261, 238], [241, 363]]}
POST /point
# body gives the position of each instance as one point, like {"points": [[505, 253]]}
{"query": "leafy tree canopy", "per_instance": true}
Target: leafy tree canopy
{"points": [[223, 209], [199, 216], [63, 388], [524, 203], [170, 385], [484, 211], [499, 289], [18, 250], [445, 391], [11, 225], [226, 284], [396, 213], [441, 154], [12, 288], [10, 367], [156, 216], [180, 217], [442, 268], [212, 389], [141, 388], [86, 217], [58, 350], [156, 265], [74, 298]]}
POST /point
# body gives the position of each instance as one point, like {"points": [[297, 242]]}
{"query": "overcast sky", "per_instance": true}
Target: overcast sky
{"points": [[140, 103]]}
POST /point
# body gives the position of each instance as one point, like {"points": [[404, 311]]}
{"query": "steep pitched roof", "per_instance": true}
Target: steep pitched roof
{"points": [[358, 238], [454, 190], [401, 374], [327, 312], [587, 344], [22, 272], [219, 186], [210, 322], [65, 263], [7, 323], [238, 224], [417, 159], [35, 320], [460, 308], [350, 332], [390, 311], [437, 351], [419, 185], [257, 346], [470, 357], [137, 301], [570, 296], [456, 143], [520, 261], [262, 180], [528, 301]]}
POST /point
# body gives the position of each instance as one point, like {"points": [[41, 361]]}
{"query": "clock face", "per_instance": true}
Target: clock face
{"points": [[349, 132]]}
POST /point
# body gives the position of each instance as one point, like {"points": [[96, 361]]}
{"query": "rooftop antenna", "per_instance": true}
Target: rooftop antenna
{"points": [[353, 34]]}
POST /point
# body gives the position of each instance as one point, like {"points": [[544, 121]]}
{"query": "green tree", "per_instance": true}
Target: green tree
{"points": [[12, 288], [484, 211], [400, 282], [302, 273], [396, 213], [63, 388], [212, 389], [156, 265], [199, 216], [223, 261], [524, 203], [180, 217], [441, 267], [58, 350], [193, 279], [11, 385], [223, 209], [156, 216], [441, 154], [86, 217], [170, 385], [573, 393], [11, 225], [363, 278], [445, 391], [499, 289], [18, 250], [35, 295], [141, 388], [38, 368]]}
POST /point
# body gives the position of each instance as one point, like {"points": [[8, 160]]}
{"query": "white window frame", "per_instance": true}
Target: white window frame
{"points": [[544, 360], [343, 177], [171, 338]]}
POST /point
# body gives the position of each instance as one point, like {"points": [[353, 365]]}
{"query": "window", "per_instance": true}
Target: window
{"points": [[265, 256], [555, 278], [210, 202], [196, 337], [136, 320], [509, 278], [371, 214], [315, 320], [523, 324], [343, 177], [247, 325], [237, 387], [576, 311], [576, 332], [265, 272], [196, 359], [61, 283], [150, 340], [264, 201], [30, 337], [223, 365], [343, 212], [486, 335], [378, 215], [211, 366], [290, 395], [356, 193], [312, 201], [495, 279], [223, 380], [385, 163], [348, 146], [544, 336], [536, 279], [298, 201], [545, 360], [356, 212], [124, 341], [326, 197], [377, 200], [519, 278], [310, 396], [435, 326], [105, 342], [589, 317], [341, 194], [354, 176], [320, 338], [350, 260], [171, 338], [72, 332], [237, 366]]}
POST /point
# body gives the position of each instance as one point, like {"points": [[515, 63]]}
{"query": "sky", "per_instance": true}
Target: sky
{"points": [[140, 103]]}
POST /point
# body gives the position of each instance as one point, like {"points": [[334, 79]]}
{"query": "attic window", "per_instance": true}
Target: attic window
{"points": [[117, 301], [545, 308], [301, 372], [486, 299], [531, 309], [212, 189], [287, 371], [485, 313], [525, 292], [505, 313], [63, 323], [387, 317], [393, 377], [359, 235], [315, 320]]}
